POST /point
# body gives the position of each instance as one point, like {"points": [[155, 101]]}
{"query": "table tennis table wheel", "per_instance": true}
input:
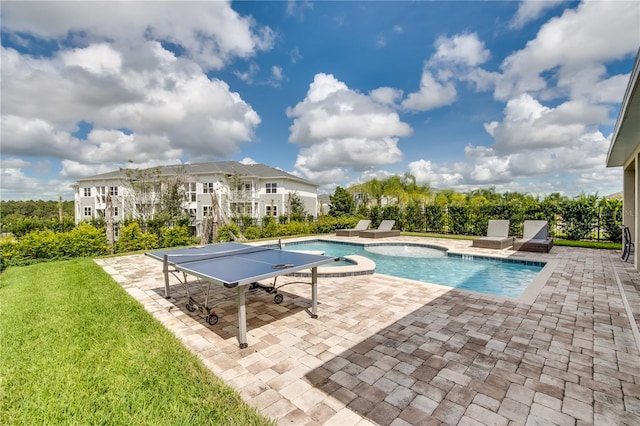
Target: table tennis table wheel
{"points": [[190, 307], [278, 298], [211, 319]]}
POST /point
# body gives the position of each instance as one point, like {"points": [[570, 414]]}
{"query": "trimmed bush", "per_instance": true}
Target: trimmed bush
{"points": [[252, 232], [133, 239], [175, 237], [83, 241]]}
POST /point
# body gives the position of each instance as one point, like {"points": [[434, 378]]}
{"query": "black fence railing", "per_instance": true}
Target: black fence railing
{"points": [[445, 221]]}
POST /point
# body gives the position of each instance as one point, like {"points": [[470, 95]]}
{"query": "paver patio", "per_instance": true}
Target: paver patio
{"points": [[387, 350]]}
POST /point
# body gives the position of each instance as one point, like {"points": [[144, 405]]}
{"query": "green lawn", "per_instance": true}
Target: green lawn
{"points": [[75, 348]]}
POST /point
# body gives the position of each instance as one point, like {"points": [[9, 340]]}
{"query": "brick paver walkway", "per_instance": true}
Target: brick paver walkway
{"points": [[385, 350]]}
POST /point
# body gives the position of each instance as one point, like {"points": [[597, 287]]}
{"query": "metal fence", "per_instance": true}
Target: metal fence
{"points": [[470, 223]]}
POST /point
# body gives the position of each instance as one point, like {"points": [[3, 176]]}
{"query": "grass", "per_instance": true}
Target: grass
{"points": [[75, 348]]}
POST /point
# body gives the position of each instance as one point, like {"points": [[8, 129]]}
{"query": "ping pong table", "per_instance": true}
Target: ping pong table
{"points": [[240, 266]]}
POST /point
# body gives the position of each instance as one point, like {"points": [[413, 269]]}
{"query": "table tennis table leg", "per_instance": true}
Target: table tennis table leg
{"points": [[165, 272], [242, 318], [314, 292]]}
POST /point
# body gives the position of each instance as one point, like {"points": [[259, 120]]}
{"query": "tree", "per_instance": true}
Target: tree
{"points": [[341, 203], [173, 195], [373, 189], [297, 212], [393, 187], [144, 192]]}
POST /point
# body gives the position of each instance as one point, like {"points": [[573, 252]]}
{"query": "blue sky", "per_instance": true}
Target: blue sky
{"points": [[519, 96]]}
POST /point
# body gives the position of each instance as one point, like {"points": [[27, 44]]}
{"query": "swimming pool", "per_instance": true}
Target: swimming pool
{"points": [[433, 265]]}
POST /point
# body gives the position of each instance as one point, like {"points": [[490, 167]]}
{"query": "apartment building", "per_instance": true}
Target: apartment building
{"points": [[254, 190]]}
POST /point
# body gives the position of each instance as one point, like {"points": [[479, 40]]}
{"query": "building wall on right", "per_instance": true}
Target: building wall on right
{"points": [[624, 152]]}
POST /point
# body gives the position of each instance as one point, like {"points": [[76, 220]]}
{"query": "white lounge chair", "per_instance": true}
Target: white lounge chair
{"points": [[361, 226], [535, 237], [384, 230], [497, 236]]}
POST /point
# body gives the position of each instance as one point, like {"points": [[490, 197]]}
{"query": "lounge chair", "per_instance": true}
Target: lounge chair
{"points": [[497, 236], [535, 237], [361, 226], [384, 230]]}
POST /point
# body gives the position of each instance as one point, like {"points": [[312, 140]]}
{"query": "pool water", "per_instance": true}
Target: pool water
{"points": [[433, 265]]}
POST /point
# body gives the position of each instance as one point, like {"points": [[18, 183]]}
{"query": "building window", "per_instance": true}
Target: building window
{"points": [[101, 191], [113, 191], [207, 188], [272, 211], [116, 211], [87, 211], [191, 213], [190, 191], [272, 188], [87, 192], [207, 211]]}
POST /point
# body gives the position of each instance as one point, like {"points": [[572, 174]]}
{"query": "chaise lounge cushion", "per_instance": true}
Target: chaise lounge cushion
{"points": [[497, 236], [384, 230], [535, 237], [361, 226]]}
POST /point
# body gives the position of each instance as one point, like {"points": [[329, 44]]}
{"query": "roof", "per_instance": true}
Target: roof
{"points": [[626, 135], [228, 168]]}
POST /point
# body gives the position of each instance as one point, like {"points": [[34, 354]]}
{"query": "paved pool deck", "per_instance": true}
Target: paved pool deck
{"points": [[391, 351]]}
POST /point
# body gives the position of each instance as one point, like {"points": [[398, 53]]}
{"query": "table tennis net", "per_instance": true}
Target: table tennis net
{"points": [[183, 258]]}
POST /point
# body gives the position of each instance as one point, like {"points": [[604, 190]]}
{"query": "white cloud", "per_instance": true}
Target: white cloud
{"points": [[14, 163], [298, 8], [463, 49], [295, 55], [211, 33], [530, 10], [99, 59], [431, 95], [73, 169], [386, 95], [169, 106], [581, 37], [248, 160], [276, 73], [437, 177], [456, 57], [339, 128], [528, 125]]}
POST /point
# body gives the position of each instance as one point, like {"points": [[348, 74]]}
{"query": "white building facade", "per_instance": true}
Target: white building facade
{"points": [[249, 190]]}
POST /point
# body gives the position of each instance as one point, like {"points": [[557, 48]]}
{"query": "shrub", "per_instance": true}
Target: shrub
{"points": [[9, 250], [579, 216], [176, 236], [612, 219], [270, 229], [329, 224], [132, 239], [41, 245], [21, 226], [83, 241], [413, 218], [228, 232], [252, 232], [293, 228], [435, 217]]}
